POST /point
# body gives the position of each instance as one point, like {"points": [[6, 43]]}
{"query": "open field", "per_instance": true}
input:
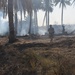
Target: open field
{"points": [[38, 57]]}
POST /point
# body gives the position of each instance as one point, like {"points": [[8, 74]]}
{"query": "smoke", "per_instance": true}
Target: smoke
{"points": [[68, 28], [3, 25], [58, 29], [24, 28]]}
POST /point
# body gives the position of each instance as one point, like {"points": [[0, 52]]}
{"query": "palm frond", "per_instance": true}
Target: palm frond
{"points": [[68, 2], [62, 2], [36, 4], [56, 2], [47, 5]]}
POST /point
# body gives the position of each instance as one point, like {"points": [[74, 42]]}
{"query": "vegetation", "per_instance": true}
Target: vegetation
{"points": [[37, 58], [47, 7], [29, 6], [62, 4], [23, 56]]}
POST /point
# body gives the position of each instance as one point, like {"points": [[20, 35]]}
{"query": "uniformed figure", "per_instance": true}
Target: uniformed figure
{"points": [[51, 33]]}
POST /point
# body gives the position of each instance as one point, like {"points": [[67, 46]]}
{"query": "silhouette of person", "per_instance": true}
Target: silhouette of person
{"points": [[51, 33]]}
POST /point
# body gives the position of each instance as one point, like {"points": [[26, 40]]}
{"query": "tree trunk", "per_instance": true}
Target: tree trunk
{"points": [[63, 28], [30, 24], [16, 19], [11, 25], [48, 14], [48, 18], [21, 20], [36, 22], [16, 23], [20, 25], [44, 19]]}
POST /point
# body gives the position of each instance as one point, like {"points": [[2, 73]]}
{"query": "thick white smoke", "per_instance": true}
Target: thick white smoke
{"points": [[3, 25]]}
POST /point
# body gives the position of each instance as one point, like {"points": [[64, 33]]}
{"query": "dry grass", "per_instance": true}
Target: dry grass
{"points": [[38, 57]]}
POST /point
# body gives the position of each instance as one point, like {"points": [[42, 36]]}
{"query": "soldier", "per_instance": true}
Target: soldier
{"points": [[51, 33]]}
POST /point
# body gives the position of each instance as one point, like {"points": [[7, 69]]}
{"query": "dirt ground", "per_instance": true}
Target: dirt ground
{"points": [[54, 58]]}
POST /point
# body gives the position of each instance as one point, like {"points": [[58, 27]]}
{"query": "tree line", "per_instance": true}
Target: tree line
{"points": [[11, 8]]}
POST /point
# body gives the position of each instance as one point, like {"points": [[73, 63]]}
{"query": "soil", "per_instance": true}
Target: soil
{"points": [[60, 52]]}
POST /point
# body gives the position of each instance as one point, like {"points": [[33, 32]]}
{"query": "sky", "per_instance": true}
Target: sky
{"points": [[55, 16]]}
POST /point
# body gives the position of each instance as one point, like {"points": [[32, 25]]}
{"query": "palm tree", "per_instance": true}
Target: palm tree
{"points": [[7, 7], [62, 4], [36, 7], [11, 25], [16, 15], [29, 10], [47, 6], [3, 7], [26, 7]]}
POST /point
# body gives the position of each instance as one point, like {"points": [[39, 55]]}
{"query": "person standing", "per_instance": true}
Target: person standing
{"points": [[51, 33]]}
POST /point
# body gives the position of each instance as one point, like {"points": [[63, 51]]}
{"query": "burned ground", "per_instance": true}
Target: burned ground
{"points": [[37, 57]]}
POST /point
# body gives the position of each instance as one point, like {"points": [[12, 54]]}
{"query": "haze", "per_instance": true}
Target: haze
{"points": [[55, 16]]}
